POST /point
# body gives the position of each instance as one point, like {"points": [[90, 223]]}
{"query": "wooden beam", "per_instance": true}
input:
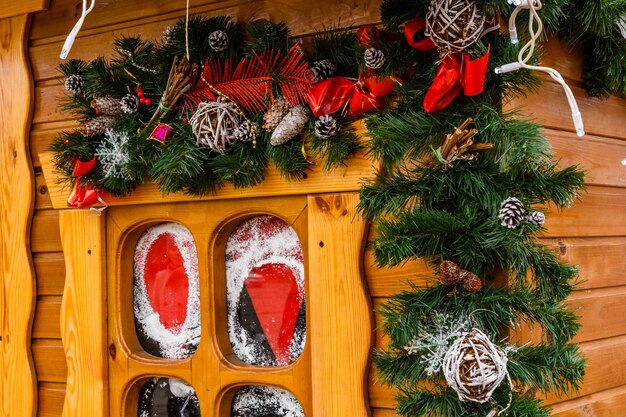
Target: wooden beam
{"points": [[21, 7], [341, 315], [17, 292], [83, 313]]}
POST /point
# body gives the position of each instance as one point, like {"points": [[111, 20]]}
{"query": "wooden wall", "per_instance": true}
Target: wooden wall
{"points": [[592, 233]]}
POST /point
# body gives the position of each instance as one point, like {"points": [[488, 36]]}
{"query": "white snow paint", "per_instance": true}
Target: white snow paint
{"points": [[184, 341], [256, 400], [253, 243]]}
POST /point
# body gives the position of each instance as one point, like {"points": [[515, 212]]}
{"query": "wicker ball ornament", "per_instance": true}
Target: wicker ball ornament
{"points": [[453, 25], [475, 367], [214, 124]]}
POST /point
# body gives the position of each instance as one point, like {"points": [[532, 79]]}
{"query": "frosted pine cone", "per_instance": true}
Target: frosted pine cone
{"points": [[129, 104], [321, 70], [107, 105], [326, 127], [245, 132], [98, 125], [536, 217], [470, 282], [374, 58], [511, 212], [218, 40], [275, 114], [74, 84], [450, 273], [291, 125]]}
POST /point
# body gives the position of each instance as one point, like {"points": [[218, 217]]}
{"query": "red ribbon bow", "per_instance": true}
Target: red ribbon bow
{"points": [[334, 94], [457, 72], [414, 35], [83, 196]]}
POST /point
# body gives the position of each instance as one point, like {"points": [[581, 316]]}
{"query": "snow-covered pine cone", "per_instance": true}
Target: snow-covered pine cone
{"points": [[374, 58], [275, 114], [536, 217], [326, 127], [470, 282], [450, 273], [74, 84], [321, 70], [291, 125], [245, 132], [107, 105], [98, 125], [218, 40], [511, 212], [129, 104]]}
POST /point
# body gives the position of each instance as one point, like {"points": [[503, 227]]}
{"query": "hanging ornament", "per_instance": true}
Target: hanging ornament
{"points": [[246, 132], [320, 70], [459, 145], [107, 105], [218, 40], [98, 125], [178, 82], [74, 84], [291, 125], [113, 155], [511, 212], [474, 367], [374, 58], [452, 274], [160, 132], [326, 127], [129, 104], [536, 218], [214, 123], [275, 114], [453, 25]]}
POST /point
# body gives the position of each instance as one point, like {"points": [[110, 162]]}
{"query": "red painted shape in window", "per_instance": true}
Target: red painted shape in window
{"points": [[274, 293], [167, 283]]}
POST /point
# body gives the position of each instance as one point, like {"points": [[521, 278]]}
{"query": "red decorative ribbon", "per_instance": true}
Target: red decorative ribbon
{"points": [[367, 36], [334, 94], [414, 35], [457, 72], [83, 196]]}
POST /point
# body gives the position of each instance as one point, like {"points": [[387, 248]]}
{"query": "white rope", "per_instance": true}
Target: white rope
{"points": [[69, 41], [187, 30]]}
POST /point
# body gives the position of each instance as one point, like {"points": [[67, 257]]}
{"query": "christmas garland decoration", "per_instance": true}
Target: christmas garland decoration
{"points": [[459, 184]]}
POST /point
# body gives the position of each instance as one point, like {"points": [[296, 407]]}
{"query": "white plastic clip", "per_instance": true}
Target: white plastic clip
{"points": [[72, 36]]}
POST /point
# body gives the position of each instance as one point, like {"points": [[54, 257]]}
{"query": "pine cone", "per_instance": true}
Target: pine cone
{"points": [[290, 126], [129, 104], [107, 105], [511, 212], [275, 114], [470, 282], [374, 58], [450, 273], [326, 127], [74, 84], [245, 132], [536, 217], [218, 40], [321, 70], [98, 125]]}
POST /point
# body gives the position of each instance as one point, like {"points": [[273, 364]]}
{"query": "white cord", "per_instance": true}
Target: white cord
{"points": [[187, 30], [535, 27], [72, 36]]}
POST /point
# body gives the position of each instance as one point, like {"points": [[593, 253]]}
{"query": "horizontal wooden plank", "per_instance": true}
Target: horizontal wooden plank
{"points": [[44, 233], [600, 212], [42, 198], [608, 403], [47, 323], [51, 398], [550, 107], [563, 58], [48, 104], [49, 360], [50, 272], [383, 282], [42, 135], [601, 157], [601, 312], [15, 8], [384, 412]]}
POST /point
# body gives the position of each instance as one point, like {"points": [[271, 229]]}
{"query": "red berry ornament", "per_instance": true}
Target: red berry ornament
{"points": [[148, 102], [142, 100]]}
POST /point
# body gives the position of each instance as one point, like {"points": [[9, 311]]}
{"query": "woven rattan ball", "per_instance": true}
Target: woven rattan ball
{"points": [[214, 124], [453, 25]]}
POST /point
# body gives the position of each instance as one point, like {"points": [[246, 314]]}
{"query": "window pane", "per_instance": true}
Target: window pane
{"points": [[265, 292], [261, 401], [166, 292], [167, 397]]}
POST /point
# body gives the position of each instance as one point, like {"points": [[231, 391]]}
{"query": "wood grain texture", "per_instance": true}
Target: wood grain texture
{"points": [[51, 397], [49, 360], [22, 7], [341, 318], [50, 271], [45, 235], [83, 313], [608, 403], [47, 322], [17, 378]]}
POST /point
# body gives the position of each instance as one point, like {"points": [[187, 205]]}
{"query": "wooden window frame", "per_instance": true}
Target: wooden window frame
{"points": [[106, 363]]}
